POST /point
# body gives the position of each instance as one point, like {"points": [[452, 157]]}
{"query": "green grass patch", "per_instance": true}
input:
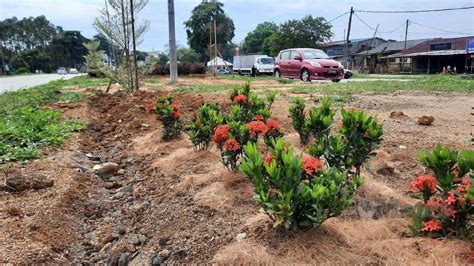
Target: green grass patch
{"points": [[153, 81], [247, 77], [438, 83], [206, 88], [25, 126], [85, 82]]}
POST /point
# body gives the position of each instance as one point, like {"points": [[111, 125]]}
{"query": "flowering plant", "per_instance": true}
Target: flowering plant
{"points": [[229, 138], [296, 191], [298, 119], [168, 113], [447, 198], [247, 105], [203, 125]]}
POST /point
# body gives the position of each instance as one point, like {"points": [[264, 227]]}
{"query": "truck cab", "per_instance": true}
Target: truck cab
{"points": [[253, 64]]}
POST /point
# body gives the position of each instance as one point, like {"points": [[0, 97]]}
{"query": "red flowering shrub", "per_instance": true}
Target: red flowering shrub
{"points": [[203, 125], [248, 106], [168, 113], [273, 132], [229, 139], [151, 107], [447, 198], [297, 192], [257, 128], [240, 99]]}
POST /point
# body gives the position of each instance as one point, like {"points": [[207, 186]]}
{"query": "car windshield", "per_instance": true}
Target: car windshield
{"points": [[266, 60], [314, 54]]}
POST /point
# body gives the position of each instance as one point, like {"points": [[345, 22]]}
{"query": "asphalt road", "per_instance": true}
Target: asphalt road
{"points": [[21, 82]]}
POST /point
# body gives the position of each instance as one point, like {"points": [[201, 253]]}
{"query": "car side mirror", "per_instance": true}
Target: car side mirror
{"points": [[298, 58]]}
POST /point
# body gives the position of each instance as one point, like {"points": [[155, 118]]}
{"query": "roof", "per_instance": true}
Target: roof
{"points": [[390, 47], [217, 61], [430, 53], [343, 41]]}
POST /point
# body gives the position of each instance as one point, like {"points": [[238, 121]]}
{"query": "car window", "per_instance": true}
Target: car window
{"points": [[315, 54], [285, 55], [294, 54]]}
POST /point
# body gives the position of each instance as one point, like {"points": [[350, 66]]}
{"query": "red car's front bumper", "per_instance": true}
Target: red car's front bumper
{"points": [[323, 73]]}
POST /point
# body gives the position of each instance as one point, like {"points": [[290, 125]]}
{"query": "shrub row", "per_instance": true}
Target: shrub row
{"points": [[183, 69]]}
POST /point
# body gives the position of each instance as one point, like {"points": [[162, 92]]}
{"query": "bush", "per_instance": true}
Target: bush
{"points": [[303, 192], [183, 69], [447, 198], [22, 70], [298, 119], [229, 139], [203, 126], [168, 112]]}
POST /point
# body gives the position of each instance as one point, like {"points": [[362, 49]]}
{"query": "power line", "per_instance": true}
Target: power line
{"points": [[345, 13], [391, 31], [414, 11], [365, 23], [433, 28]]}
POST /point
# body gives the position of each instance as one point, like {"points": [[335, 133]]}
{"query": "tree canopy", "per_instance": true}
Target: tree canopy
{"points": [[198, 27], [267, 38], [254, 42]]}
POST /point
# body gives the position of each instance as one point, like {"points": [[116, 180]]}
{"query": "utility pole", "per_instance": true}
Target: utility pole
{"points": [[172, 43], [4, 72], [370, 47], [347, 38], [215, 46], [405, 46], [134, 45]]}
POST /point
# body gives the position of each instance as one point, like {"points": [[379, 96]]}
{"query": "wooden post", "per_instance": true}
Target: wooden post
{"points": [[346, 46]]}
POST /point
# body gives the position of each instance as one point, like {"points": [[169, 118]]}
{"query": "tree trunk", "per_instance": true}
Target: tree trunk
{"points": [[134, 46], [126, 43], [172, 43]]}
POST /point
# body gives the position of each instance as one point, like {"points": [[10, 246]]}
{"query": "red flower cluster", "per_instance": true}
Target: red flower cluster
{"points": [[424, 182], [240, 99], [451, 199], [257, 128], [259, 118], [232, 145], [465, 185], [221, 134], [273, 126], [431, 226], [267, 158], [175, 115], [176, 107], [150, 107], [312, 165]]}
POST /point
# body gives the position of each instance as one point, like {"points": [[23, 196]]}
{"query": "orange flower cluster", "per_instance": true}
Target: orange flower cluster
{"points": [[259, 118], [273, 126], [257, 128], [232, 145], [312, 165], [221, 134], [240, 99], [422, 182], [267, 158], [431, 226], [150, 107]]}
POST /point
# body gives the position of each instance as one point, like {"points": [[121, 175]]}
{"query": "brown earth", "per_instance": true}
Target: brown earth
{"points": [[185, 206]]}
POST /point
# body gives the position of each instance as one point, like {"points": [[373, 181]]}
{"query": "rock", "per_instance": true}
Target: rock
{"points": [[397, 114], [124, 259], [106, 169], [157, 260], [112, 185], [425, 120], [241, 237], [402, 147], [121, 172], [117, 196], [138, 239], [164, 253], [116, 178], [93, 157]]}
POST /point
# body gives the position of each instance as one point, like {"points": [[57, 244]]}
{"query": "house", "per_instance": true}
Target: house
{"points": [[335, 49], [376, 61], [431, 56]]}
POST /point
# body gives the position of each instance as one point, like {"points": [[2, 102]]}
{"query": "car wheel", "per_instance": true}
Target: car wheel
{"points": [[336, 80], [305, 75], [277, 74]]}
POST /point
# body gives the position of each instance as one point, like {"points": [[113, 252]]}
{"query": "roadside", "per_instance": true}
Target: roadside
{"points": [[26, 81]]}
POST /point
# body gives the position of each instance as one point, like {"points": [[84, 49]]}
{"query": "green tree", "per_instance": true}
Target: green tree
{"points": [[187, 55], [197, 27], [309, 32], [94, 59], [254, 41], [68, 49]]}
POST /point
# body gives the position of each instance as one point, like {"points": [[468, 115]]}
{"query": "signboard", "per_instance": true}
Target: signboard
{"points": [[470, 45], [440, 46]]}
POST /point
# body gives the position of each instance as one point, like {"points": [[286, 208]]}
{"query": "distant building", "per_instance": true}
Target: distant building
{"points": [[430, 56], [377, 62], [355, 46]]}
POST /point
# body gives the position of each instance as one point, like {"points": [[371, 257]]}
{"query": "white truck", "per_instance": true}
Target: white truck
{"points": [[253, 65]]}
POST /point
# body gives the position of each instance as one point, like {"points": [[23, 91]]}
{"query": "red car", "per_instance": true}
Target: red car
{"points": [[307, 64]]}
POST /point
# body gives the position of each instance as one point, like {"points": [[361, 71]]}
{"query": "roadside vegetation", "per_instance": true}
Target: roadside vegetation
{"points": [[25, 126]]}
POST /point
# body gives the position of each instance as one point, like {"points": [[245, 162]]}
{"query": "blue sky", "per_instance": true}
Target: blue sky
{"points": [[78, 15]]}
